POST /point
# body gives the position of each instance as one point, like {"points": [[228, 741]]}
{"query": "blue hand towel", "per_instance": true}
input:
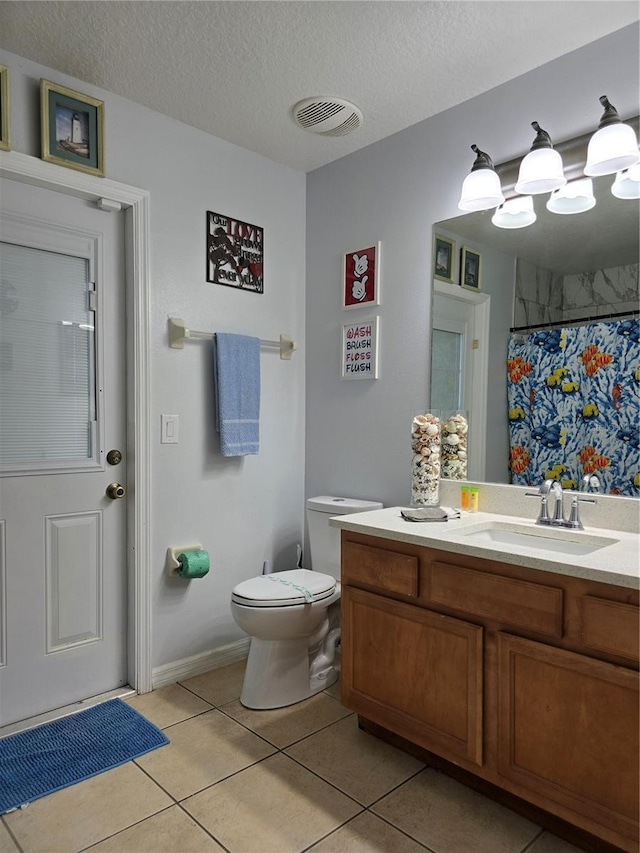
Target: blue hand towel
{"points": [[237, 387]]}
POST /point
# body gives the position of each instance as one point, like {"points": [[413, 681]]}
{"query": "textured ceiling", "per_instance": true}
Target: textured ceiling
{"points": [[235, 69]]}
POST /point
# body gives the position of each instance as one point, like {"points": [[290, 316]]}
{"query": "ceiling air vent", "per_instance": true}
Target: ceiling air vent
{"points": [[327, 116]]}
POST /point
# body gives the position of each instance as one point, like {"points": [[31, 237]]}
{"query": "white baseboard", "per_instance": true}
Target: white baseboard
{"points": [[179, 670]]}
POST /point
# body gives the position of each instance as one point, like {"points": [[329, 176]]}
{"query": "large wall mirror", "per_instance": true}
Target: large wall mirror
{"points": [[561, 377]]}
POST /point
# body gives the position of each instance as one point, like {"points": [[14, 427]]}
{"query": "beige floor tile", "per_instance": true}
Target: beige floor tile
{"points": [[358, 763], [548, 843], [284, 726], [273, 807], [334, 690], [171, 831], [7, 844], [169, 705], [202, 751], [75, 817], [366, 833], [218, 686], [451, 818]]}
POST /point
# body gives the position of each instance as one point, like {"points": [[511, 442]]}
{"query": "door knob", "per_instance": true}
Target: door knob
{"points": [[115, 491]]}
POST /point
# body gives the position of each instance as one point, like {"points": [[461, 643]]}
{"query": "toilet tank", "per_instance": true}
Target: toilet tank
{"points": [[324, 541]]}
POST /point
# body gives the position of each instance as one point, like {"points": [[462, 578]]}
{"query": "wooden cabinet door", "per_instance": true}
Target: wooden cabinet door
{"points": [[415, 672], [568, 729]]}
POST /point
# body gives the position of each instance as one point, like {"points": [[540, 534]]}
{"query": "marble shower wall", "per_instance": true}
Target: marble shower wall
{"points": [[543, 296], [601, 292], [538, 295]]}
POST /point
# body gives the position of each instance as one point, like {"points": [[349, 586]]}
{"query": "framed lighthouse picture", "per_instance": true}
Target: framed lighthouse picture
{"points": [[72, 128]]}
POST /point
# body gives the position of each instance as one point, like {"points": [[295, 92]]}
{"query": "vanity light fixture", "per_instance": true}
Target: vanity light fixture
{"points": [[575, 197], [481, 188], [541, 170], [613, 147], [627, 183], [515, 213]]}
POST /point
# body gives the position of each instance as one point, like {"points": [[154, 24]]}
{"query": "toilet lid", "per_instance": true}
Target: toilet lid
{"points": [[298, 586]]}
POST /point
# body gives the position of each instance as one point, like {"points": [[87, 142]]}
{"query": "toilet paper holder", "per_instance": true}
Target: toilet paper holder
{"points": [[172, 562]]}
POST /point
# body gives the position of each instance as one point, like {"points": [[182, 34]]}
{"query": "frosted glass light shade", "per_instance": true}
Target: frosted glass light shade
{"points": [[481, 190], [627, 183], [612, 149], [515, 213], [575, 197], [540, 172]]}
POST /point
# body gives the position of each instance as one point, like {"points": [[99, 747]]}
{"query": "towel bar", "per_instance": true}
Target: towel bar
{"points": [[178, 333]]}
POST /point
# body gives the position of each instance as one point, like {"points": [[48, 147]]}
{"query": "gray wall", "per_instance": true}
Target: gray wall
{"points": [[243, 510], [357, 441]]}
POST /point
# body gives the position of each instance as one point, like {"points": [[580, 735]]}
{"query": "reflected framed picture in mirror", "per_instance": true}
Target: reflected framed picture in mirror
{"points": [[470, 268], [444, 258]]}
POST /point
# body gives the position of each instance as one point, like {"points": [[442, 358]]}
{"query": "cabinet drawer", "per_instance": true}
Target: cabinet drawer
{"points": [[610, 626], [378, 568], [507, 600]]}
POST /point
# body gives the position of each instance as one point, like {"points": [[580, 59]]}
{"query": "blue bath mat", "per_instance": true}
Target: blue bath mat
{"points": [[49, 757]]}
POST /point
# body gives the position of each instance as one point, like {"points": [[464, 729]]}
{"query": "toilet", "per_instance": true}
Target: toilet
{"points": [[293, 617]]}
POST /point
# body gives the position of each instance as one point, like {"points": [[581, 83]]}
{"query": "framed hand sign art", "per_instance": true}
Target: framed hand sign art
{"points": [[361, 278]]}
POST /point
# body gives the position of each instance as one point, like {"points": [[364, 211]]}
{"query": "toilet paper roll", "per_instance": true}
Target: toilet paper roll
{"points": [[193, 564]]}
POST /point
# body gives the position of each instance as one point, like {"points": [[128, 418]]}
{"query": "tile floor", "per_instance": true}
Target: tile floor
{"points": [[302, 778]]}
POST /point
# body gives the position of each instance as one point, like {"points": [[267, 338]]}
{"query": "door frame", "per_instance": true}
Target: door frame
{"points": [[114, 196], [481, 303]]}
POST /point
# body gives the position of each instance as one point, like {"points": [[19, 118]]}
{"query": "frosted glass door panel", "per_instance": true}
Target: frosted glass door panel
{"points": [[446, 370], [47, 360]]}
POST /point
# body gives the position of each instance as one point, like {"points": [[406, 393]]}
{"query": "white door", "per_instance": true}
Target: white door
{"points": [[451, 350], [459, 366], [62, 409]]}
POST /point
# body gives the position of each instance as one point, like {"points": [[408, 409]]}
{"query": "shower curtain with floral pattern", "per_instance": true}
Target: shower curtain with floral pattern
{"points": [[574, 406]]}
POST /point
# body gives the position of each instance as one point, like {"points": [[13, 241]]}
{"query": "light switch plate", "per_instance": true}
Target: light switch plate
{"points": [[169, 429]]}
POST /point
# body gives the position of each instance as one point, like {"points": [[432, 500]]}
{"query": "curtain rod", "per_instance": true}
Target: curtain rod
{"points": [[566, 323]]}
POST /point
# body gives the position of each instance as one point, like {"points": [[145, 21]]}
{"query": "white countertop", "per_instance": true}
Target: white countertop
{"points": [[617, 563]]}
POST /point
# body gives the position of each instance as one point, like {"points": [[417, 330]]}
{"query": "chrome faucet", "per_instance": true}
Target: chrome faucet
{"points": [[553, 487]]}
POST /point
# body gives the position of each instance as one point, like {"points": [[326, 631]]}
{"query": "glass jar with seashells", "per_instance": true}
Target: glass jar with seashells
{"points": [[425, 462], [454, 431]]}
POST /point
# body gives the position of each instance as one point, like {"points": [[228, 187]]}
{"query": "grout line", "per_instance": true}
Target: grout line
{"points": [[274, 745], [12, 834], [218, 781], [310, 847], [187, 719], [530, 844], [399, 785], [125, 828], [322, 779], [204, 828], [155, 782], [401, 831]]}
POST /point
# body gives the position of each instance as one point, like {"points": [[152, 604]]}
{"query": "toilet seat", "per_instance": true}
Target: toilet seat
{"points": [[281, 589]]}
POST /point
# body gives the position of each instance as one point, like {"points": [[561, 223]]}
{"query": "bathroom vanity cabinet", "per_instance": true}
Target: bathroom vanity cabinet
{"points": [[520, 679]]}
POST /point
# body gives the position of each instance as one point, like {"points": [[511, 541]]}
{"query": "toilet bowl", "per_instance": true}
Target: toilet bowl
{"points": [[293, 617]]}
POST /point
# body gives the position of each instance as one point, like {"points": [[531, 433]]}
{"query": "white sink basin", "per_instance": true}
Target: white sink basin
{"points": [[538, 537]]}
